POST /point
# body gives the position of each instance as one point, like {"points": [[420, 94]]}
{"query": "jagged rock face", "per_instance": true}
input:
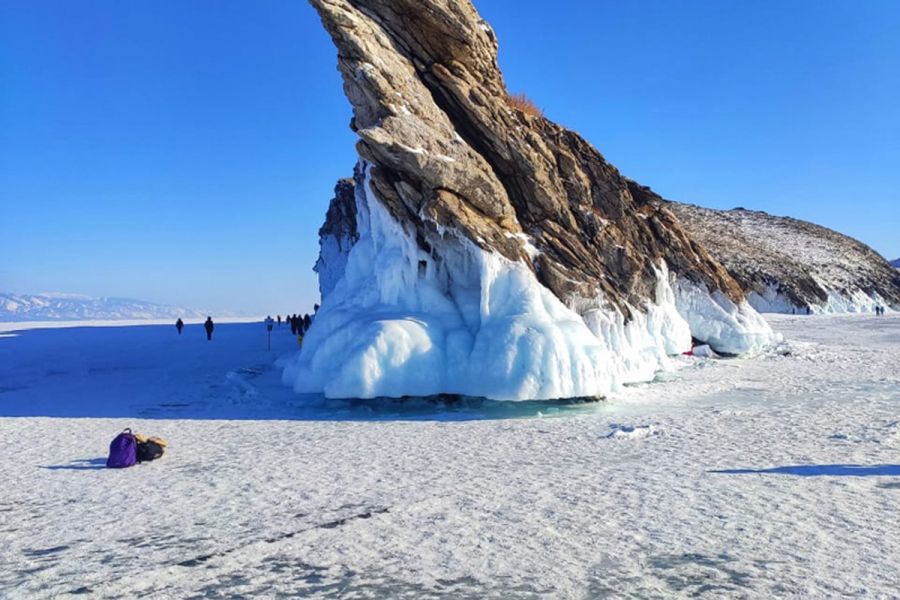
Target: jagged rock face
{"points": [[448, 151], [789, 265], [484, 251], [336, 236]]}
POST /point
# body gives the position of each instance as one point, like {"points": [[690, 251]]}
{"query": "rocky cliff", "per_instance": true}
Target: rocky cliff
{"points": [[491, 248], [789, 265]]}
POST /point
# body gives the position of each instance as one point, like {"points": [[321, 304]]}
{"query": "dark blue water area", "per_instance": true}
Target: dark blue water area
{"points": [[149, 371]]}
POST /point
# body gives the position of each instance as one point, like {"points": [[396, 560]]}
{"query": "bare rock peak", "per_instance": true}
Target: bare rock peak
{"points": [[449, 149]]}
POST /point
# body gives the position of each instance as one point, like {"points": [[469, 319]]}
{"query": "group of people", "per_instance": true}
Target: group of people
{"points": [[879, 310], [208, 326], [300, 324]]}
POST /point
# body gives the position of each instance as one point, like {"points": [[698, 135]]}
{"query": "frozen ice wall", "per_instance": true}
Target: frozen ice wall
{"points": [[771, 300], [397, 321]]}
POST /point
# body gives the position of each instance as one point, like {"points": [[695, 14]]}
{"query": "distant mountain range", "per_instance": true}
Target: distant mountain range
{"points": [[896, 263], [73, 307]]}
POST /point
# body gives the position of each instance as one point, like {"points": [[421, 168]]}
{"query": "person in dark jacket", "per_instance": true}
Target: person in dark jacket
{"points": [[293, 320], [307, 321], [179, 325], [278, 320], [209, 326]]}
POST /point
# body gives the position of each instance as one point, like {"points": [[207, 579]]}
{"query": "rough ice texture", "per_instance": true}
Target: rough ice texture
{"points": [[497, 253], [459, 319], [789, 266]]}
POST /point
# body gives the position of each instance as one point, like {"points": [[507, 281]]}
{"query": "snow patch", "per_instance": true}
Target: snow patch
{"points": [[633, 432]]}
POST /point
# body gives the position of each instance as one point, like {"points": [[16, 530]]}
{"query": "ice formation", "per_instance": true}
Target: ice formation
{"points": [[398, 321], [773, 300]]}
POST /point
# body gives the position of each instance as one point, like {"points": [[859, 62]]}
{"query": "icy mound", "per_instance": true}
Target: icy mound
{"points": [[399, 321]]}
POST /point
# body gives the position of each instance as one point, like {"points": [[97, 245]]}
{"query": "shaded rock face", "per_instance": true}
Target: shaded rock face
{"points": [[336, 236], [789, 265], [430, 108]]}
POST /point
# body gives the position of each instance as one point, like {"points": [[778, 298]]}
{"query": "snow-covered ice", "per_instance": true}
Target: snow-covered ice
{"points": [[777, 476]]}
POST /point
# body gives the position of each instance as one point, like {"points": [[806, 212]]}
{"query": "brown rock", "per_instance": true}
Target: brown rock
{"points": [[431, 111]]}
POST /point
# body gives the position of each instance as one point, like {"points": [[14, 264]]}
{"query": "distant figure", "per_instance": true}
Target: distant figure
{"points": [[808, 310], [278, 319], [269, 323], [315, 308], [209, 326], [307, 321], [179, 325], [293, 320]]}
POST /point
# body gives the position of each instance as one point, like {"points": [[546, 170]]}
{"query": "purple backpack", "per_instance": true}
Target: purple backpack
{"points": [[122, 451]]}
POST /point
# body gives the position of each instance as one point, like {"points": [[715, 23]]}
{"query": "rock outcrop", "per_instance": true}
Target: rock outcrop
{"points": [[788, 265], [337, 236], [431, 111], [492, 247]]}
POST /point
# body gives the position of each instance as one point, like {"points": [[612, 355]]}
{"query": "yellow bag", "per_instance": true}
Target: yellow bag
{"points": [[143, 438]]}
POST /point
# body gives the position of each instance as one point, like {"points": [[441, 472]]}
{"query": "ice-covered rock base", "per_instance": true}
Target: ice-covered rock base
{"points": [[399, 321], [772, 300]]}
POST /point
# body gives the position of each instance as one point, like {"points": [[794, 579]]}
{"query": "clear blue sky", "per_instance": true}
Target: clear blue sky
{"points": [[184, 151]]}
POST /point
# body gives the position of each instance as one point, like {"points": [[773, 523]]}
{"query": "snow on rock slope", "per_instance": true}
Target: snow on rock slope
{"points": [[788, 265], [487, 251], [73, 307]]}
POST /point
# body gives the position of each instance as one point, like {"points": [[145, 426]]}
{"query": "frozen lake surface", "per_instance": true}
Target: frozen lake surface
{"points": [[777, 476]]}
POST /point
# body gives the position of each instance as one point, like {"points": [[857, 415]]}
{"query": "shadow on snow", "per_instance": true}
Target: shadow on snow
{"points": [[83, 464], [821, 471], [151, 372]]}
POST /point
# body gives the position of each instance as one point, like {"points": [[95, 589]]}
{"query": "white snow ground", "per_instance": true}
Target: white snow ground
{"points": [[770, 477]]}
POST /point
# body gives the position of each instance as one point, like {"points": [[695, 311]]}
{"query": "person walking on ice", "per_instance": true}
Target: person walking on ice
{"points": [[179, 325], [270, 322], [209, 326]]}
